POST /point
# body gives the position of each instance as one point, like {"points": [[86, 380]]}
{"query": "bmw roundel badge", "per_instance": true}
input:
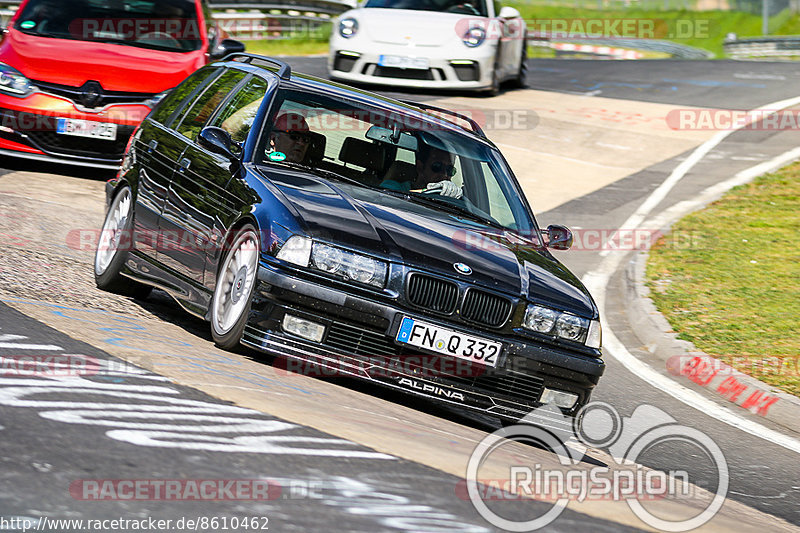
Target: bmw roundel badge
{"points": [[461, 268]]}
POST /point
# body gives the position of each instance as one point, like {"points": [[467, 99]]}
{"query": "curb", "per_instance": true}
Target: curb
{"points": [[685, 362]]}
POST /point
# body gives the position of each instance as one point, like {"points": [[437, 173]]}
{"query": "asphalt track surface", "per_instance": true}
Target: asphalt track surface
{"points": [[43, 454]]}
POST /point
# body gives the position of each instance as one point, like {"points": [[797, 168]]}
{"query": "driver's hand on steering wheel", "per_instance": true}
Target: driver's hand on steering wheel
{"points": [[445, 188]]}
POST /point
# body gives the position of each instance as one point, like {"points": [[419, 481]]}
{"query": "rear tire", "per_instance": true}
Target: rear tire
{"points": [[112, 249], [236, 280]]}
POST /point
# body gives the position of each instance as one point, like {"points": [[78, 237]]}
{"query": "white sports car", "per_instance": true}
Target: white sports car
{"points": [[444, 44]]}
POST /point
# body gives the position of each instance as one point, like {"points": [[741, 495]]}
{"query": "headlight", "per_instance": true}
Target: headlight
{"points": [[348, 27], [348, 265], [474, 36], [13, 82], [540, 319], [563, 325], [296, 250]]}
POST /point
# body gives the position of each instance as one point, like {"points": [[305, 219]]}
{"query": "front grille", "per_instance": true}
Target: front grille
{"points": [[433, 294], [344, 63], [75, 94], [360, 345], [359, 341], [49, 141], [403, 73], [467, 72], [485, 308], [521, 387]]}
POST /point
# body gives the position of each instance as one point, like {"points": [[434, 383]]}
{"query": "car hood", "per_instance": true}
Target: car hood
{"points": [[432, 240], [407, 27], [116, 67]]}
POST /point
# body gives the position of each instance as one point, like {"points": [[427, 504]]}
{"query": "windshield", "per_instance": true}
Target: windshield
{"points": [[465, 7], [159, 24], [408, 156]]}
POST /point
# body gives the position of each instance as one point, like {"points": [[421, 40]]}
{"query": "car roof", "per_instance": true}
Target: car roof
{"points": [[275, 68]]}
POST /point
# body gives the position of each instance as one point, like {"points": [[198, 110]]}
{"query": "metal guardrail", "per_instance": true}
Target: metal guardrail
{"points": [[763, 47], [652, 45]]}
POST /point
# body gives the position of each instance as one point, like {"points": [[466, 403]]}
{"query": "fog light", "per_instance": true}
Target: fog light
{"points": [[303, 328], [559, 398]]}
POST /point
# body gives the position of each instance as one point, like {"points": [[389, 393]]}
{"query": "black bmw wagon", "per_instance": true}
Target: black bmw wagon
{"points": [[327, 225]]}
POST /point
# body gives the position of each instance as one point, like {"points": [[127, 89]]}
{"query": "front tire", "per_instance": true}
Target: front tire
{"points": [[230, 304], [520, 80], [494, 88], [112, 248]]}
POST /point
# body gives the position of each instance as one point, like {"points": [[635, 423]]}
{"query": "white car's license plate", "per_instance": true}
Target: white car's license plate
{"points": [[420, 63], [449, 342], [86, 128]]}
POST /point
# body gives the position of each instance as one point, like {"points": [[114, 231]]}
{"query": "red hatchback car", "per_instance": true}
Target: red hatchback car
{"points": [[77, 76]]}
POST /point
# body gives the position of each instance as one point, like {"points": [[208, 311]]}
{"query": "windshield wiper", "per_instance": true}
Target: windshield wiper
{"points": [[322, 172], [452, 208]]}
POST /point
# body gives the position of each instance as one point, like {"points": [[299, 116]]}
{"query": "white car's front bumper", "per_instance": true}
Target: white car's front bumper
{"points": [[472, 69]]}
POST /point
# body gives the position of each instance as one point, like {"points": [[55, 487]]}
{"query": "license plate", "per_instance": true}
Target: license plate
{"points": [[86, 128], [420, 63], [448, 342]]}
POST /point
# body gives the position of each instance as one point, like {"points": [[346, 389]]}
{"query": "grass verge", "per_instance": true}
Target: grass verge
{"points": [[299, 44], [701, 29], [728, 279]]}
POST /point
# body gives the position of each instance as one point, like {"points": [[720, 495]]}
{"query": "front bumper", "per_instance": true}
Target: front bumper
{"points": [[28, 130], [467, 69], [359, 342]]}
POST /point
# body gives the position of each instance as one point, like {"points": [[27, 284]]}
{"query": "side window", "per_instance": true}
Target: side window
{"points": [[499, 207], [238, 116], [176, 97], [202, 109]]}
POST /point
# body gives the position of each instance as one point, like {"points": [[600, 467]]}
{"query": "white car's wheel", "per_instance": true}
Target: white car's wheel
{"points": [[230, 304], [494, 88], [112, 248], [521, 78]]}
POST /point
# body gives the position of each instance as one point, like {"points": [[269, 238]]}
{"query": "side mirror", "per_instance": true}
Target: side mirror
{"points": [[218, 141], [227, 46], [558, 237], [508, 12]]}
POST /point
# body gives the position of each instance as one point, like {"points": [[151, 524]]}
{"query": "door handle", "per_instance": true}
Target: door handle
{"points": [[151, 147], [185, 163]]}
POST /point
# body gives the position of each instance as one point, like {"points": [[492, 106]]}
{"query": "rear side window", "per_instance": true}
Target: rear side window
{"points": [[237, 117], [202, 109], [176, 97]]}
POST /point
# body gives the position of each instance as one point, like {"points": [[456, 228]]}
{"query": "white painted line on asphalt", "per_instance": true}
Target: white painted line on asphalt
{"points": [[658, 195], [44, 347], [597, 282], [16, 346]]}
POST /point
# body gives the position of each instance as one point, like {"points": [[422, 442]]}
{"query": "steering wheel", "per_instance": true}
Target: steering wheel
{"points": [[465, 8], [159, 38]]}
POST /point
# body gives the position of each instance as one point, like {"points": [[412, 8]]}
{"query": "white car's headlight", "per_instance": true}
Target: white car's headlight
{"points": [[13, 82], [348, 27], [474, 37], [563, 325], [348, 265]]}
